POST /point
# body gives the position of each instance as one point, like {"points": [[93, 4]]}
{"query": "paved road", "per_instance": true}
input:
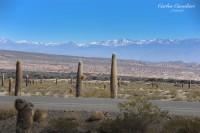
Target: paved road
{"points": [[179, 107], [92, 104], [86, 104]]}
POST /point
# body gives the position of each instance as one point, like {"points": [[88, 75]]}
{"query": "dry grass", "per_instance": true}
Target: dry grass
{"points": [[182, 125], [61, 126], [7, 113], [99, 93], [101, 89], [72, 116]]}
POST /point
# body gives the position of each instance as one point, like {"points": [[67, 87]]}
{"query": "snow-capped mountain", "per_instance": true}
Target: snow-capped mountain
{"points": [[5, 41], [115, 42], [124, 42], [155, 50], [36, 43], [111, 43]]}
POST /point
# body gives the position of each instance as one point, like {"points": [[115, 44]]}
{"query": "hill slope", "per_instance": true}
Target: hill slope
{"points": [[65, 64], [155, 50]]}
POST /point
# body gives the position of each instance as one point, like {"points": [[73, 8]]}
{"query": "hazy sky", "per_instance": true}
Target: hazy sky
{"points": [[95, 20]]}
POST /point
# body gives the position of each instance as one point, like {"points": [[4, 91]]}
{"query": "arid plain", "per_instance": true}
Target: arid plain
{"points": [[55, 76]]}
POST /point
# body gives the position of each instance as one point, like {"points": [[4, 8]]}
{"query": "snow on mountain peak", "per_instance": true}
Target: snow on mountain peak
{"points": [[93, 43], [36, 43], [109, 43], [115, 42], [22, 41], [4, 41], [125, 41], [80, 44]]}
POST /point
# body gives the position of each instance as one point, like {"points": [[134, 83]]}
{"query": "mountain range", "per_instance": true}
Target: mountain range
{"points": [[155, 50]]}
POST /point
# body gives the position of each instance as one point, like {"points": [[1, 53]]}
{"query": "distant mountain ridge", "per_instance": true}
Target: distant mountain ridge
{"points": [[115, 42], [62, 64], [154, 50]]}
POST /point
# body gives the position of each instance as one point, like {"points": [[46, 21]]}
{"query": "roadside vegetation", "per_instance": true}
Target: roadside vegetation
{"points": [[135, 116]]}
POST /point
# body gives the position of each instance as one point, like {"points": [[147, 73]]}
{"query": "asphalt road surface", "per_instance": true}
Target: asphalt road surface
{"points": [[93, 104]]}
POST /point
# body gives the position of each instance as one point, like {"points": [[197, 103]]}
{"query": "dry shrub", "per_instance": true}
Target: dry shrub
{"points": [[72, 116], [40, 115], [83, 77], [96, 116], [138, 116]]}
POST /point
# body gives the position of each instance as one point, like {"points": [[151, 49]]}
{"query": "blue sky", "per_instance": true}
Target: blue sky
{"points": [[95, 20]]}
